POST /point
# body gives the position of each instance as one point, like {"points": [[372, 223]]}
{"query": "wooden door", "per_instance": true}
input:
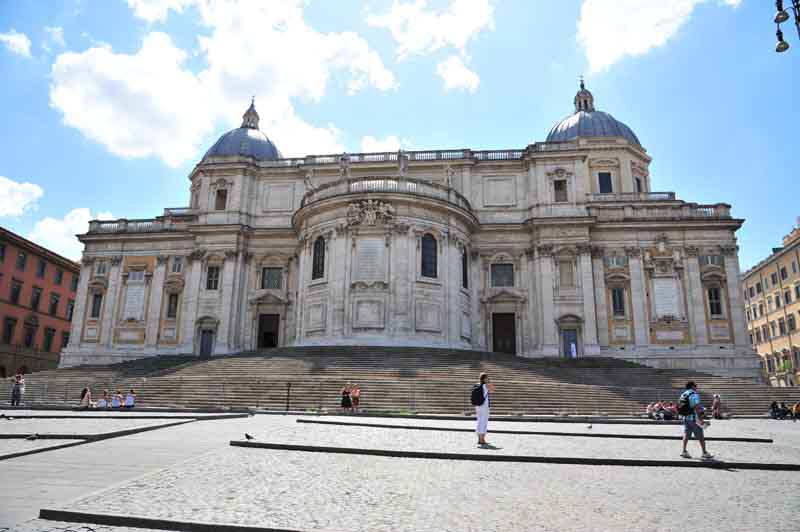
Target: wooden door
{"points": [[504, 333]]}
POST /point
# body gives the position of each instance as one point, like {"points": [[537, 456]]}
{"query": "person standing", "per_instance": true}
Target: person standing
{"points": [[355, 397], [482, 410], [346, 403], [17, 388], [692, 412], [716, 407]]}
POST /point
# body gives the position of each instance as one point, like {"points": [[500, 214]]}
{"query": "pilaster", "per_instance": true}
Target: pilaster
{"points": [[547, 280], [638, 297], [112, 294], [79, 312], [156, 295], [697, 312], [590, 346], [601, 304], [740, 337]]}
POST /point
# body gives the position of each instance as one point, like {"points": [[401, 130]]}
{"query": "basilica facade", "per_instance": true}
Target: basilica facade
{"points": [[560, 248]]}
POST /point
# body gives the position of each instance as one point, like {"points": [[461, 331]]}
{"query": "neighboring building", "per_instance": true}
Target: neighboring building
{"points": [[560, 248], [37, 298], [772, 309]]}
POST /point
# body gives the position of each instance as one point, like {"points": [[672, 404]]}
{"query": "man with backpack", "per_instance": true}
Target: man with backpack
{"points": [[480, 399], [692, 411]]}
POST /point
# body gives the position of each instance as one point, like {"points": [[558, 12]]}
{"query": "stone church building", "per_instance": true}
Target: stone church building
{"points": [[560, 248]]}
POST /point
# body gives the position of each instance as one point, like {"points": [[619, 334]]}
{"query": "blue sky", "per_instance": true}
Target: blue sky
{"points": [[108, 104]]}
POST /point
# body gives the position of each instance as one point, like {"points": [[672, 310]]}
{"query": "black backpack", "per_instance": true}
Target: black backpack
{"points": [[684, 406], [476, 397]]}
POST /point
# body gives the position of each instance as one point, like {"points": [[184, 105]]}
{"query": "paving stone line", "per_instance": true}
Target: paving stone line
{"points": [[710, 464], [532, 432]]}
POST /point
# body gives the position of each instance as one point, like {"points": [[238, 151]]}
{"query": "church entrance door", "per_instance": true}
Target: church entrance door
{"points": [[206, 343], [268, 330], [569, 343], [504, 333]]}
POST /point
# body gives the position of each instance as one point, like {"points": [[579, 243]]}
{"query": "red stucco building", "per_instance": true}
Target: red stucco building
{"points": [[37, 296]]}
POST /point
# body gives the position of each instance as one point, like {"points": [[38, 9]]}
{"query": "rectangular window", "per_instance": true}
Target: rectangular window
{"points": [[2, 252], [464, 269], [777, 301], [16, 290], [172, 306], [784, 273], [136, 275], [769, 303], [221, 200], [616, 261], [212, 278], [271, 278], [714, 301], [781, 326], [712, 260], [59, 276], [604, 179], [30, 336], [791, 323], [751, 340], [64, 339], [747, 313], [774, 277], [70, 309], [74, 282], [794, 267], [502, 275], [21, 259], [745, 294], [758, 335], [797, 291], [565, 274], [752, 291], [638, 182], [53, 310], [758, 287], [177, 265], [618, 301], [761, 309], [36, 296], [765, 332], [101, 267], [787, 296], [48, 339], [9, 324], [40, 269], [773, 329], [560, 188], [97, 303]]}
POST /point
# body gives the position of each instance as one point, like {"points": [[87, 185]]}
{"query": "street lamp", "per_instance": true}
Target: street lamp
{"points": [[782, 16]]}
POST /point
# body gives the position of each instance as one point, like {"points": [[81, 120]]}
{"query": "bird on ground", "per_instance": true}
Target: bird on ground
{"points": [[32, 437], [590, 426], [249, 437]]}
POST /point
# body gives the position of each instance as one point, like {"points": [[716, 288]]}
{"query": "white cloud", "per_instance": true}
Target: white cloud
{"points": [[19, 43], [149, 103], [612, 29], [418, 30], [59, 235], [16, 198], [371, 144], [456, 75], [55, 34], [156, 10]]}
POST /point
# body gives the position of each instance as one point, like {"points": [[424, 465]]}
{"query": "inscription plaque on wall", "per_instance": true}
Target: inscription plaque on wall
{"points": [[665, 293], [370, 259], [669, 335], [134, 301], [719, 332]]}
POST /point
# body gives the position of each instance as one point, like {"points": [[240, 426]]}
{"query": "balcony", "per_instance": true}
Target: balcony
{"points": [[631, 197], [654, 209], [390, 185]]}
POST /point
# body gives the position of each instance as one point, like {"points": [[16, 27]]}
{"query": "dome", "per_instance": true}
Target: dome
{"points": [[246, 141], [588, 122]]}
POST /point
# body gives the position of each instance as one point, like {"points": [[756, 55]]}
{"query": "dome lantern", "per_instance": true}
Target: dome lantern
{"points": [[584, 101], [250, 117]]}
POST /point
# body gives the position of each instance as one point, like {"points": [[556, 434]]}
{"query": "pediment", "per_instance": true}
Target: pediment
{"points": [[268, 299], [504, 295]]}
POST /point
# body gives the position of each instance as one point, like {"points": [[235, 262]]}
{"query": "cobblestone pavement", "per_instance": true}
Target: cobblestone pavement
{"points": [[40, 525], [310, 491], [19, 445], [75, 426]]}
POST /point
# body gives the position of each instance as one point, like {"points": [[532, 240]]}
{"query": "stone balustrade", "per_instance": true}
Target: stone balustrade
{"points": [[397, 185], [126, 226], [663, 211], [631, 197]]}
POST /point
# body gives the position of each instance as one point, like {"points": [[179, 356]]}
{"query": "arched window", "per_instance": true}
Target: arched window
{"points": [[429, 258], [318, 265]]}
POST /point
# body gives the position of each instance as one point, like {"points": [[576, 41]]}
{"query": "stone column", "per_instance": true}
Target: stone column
{"points": [[601, 304], [110, 307], [454, 290], [590, 346], [338, 280], [400, 253], [154, 306], [478, 321], [534, 314], [638, 297], [302, 282], [697, 311], [740, 338], [191, 300], [547, 278], [79, 312], [227, 285]]}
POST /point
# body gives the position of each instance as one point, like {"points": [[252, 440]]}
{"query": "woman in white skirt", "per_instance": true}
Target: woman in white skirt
{"points": [[482, 411]]}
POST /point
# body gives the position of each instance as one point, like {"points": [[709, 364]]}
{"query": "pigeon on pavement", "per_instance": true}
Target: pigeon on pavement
{"points": [[249, 437], [32, 437], [590, 426]]}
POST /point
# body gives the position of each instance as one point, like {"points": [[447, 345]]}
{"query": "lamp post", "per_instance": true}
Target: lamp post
{"points": [[782, 16]]}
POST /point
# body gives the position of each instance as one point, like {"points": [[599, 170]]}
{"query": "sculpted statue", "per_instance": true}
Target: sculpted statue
{"points": [[449, 173], [307, 179], [402, 163], [344, 165]]}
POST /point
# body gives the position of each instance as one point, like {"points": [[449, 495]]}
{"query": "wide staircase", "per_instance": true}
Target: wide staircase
{"points": [[399, 380]]}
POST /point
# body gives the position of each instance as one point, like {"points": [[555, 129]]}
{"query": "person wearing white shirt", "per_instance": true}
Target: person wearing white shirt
{"points": [[482, 411]]}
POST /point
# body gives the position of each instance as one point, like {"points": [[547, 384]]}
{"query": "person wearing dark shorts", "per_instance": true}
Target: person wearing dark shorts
{"points": [[692, 423]]}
